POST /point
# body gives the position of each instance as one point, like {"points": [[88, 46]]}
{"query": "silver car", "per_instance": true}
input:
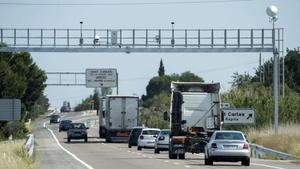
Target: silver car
{"points": [[147, 138], [230, 146], [162, 141]]}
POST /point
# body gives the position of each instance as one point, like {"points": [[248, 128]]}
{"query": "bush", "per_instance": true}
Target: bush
{"points": [[15, 128]]}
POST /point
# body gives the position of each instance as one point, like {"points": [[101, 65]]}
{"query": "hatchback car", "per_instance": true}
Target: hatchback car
{"points": [[64, 125], [134, 135], [147, 138], [55, 118], [162, 141], [77, 131], [230, 146]]}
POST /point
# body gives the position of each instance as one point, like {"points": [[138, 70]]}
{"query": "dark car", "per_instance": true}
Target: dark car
{"points": [[64, 125], [55, 118], [134, 135], [77, 131]]}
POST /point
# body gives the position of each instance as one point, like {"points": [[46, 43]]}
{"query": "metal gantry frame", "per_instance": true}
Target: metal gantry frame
{"points": [[148, 41], [139, 40], [60, 81]]}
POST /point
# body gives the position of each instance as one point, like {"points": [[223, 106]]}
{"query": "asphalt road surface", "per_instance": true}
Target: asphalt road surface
{"points": [[53, 152]]}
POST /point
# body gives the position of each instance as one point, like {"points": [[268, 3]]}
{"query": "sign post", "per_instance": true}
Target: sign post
{"points": [[238, 116]]}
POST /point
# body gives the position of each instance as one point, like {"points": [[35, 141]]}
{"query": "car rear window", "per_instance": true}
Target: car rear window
{"points": [[150, 132], [229, 136], [165, 132], [78, 126]]}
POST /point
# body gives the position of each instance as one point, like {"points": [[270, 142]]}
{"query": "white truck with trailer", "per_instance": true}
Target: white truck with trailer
{"points": [[194, 115], [119, 115]]}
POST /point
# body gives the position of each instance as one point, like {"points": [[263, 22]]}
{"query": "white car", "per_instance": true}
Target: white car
{"points": [[147, 138], [230, 146], [162, 141]]}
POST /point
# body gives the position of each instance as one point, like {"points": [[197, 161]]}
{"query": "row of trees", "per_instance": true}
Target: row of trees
{"points": [[157, 98], [250, 91], [21, 78]]}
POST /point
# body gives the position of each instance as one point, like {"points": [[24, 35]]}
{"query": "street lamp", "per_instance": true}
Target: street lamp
{"points": [[172, 40], [272, 13], [81, 38]]}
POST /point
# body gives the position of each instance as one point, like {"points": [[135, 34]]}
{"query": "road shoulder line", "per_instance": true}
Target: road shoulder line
{"points": [[68, 152]]}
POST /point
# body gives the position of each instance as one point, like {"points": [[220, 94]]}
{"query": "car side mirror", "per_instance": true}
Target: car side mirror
{"points": [[155, 136], [87, 127], [166, 116]]}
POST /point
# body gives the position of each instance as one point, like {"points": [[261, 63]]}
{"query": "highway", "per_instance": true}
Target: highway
{"points": [[53, 152]]}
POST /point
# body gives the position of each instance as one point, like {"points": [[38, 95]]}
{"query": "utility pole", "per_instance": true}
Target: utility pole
{"points": [[272, 13], [260, 69]]}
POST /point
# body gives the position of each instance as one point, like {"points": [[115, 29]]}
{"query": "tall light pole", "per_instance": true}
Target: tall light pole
{"points": [[272, 13], [81, 38], [172, 40]]}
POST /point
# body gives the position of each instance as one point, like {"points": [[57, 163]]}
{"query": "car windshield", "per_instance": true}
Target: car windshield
{"points": [[65, 122], [136, 131], [164, 132], [78, 126], [55, 116], [150, 132], [229, 136]]}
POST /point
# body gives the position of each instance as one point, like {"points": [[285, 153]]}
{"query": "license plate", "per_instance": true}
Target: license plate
{"points": [[230, 146], [179, 151], [178, 145]]}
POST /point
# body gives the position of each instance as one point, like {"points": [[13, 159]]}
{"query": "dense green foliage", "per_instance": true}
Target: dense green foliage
{"points": [[161, 70], [21, 78], [157, 100], [249, 92]]}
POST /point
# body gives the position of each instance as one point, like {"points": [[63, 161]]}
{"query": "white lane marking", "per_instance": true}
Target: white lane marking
{"points": [[44, 125], [268, 166], [128, 151], [71, 154], [187, 166], [144, 155], [166, 161], [175, 163]]}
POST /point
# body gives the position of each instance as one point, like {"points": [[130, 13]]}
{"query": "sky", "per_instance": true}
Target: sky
{"points": [[136, 69]]}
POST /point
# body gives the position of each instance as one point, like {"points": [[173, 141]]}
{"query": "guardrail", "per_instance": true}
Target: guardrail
{"points": [[258, 151], [29, 144]]}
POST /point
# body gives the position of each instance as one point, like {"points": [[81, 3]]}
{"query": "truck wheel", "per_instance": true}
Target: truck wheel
{"points": [[139, 148], [129, 146], [181, 156], [208, 161], [246, 162]]}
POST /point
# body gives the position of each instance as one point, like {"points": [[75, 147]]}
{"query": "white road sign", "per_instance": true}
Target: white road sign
{"points": [[101, 78], [238, 116]]}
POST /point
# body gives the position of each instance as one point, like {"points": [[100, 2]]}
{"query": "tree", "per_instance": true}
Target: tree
{"points": [[161, 70], [240, 79]]}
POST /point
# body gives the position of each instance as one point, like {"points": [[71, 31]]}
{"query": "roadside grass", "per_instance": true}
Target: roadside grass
{"points": [[13, 156], [287, 140]]}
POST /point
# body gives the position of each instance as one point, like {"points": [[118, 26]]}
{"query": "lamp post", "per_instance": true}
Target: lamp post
{"points": [[81, 38], [172, 40], [272, 13]]}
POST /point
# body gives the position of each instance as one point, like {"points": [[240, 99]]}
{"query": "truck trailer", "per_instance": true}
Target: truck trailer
{"points": [[119, 115], [194, 115]]}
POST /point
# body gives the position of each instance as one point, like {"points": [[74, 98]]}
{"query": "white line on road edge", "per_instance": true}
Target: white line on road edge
{"points": [[268, 166], [71, 154]]}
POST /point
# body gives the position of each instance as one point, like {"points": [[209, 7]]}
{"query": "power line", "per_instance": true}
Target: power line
{"points": [[120, 3]]}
